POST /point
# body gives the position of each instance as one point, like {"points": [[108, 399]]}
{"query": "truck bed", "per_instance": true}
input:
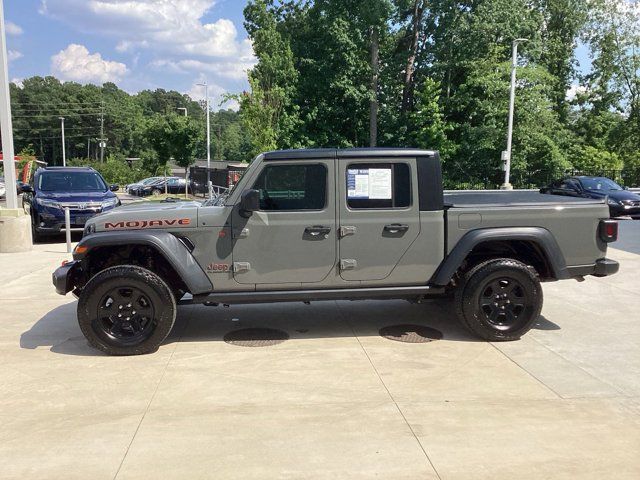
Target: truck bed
{"points": [[517, 198]]}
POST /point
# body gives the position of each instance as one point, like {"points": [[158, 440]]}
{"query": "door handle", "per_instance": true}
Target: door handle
{"points": [[396, 228], [317, 230]]}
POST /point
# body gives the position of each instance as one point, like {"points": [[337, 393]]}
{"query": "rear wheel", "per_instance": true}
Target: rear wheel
{"points": [[126, 310], [499, 300]]}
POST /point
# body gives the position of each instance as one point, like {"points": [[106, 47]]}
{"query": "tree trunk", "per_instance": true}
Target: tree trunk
{"points": [[407, 91], [373, 104]]}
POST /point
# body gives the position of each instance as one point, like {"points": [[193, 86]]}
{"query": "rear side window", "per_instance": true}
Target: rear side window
{"points": [[292, 187], [378, 185]]}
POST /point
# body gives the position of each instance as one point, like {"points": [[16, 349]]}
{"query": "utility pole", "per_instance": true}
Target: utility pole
{"points": [[506, 155], [219, 146], [102, 139], [6, 126], [206, 94], [88, 148], [64, 153]]}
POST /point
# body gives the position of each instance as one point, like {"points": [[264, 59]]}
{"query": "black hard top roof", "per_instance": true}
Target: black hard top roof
{"points": [[347, 153]]}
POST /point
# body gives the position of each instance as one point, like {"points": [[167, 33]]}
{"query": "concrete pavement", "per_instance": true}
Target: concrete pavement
{"points": [[336, 400]]}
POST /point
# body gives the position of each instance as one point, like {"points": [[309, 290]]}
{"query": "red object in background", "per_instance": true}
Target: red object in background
{"points": [[26, 170]]}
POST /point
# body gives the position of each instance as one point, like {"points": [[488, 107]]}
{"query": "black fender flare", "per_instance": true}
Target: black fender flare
{"points": [[169, 246], [538, 235]]}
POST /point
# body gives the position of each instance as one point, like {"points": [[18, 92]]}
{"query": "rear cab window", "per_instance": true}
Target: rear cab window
{"points": [[378, 185]]}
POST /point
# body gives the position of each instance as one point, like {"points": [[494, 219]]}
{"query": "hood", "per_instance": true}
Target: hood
{"points": [[76, 196], [148, 215], [616, 194]]}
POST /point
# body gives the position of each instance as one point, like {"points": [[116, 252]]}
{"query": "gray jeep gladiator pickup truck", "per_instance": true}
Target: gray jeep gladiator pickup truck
{"points": [[329, 224]]}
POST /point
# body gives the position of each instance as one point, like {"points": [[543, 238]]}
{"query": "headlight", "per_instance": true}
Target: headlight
{"points": [[48, 203], [612, 201], [112, 202]]}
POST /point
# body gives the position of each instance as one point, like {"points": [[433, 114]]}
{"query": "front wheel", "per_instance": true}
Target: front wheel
{"points": [[499, 300], [126, 310]]}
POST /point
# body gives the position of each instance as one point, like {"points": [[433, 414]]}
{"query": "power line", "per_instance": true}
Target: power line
{"points": [[57, 114], [97, 104], [57, 110], [57, 137]]}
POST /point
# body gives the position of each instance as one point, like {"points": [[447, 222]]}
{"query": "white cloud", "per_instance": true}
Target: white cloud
{"points": [[233, 69], [77, 64], [13, 55], [13, 29], [163, 25], [216, 95], [574, 90]]}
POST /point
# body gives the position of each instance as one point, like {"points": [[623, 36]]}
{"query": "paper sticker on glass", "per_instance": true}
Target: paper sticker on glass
{"points": [[369, 183]]}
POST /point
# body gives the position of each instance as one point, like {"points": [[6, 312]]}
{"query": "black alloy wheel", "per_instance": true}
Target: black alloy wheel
{"points": [[503, 301], [126, 315]]}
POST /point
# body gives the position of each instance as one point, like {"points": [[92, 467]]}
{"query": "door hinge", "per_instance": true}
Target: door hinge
{"points": [[347, 230], [348, 264], [239, 267]]}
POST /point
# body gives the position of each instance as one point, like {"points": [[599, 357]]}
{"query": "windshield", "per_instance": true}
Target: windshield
{"points": [[599, 183], [71, 182]]}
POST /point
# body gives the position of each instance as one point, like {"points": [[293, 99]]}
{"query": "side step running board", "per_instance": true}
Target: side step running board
{"points": [[312, 295]]}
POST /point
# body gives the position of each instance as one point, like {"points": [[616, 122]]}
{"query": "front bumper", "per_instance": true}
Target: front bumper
{"points": [[64, 277], [624, 210]]}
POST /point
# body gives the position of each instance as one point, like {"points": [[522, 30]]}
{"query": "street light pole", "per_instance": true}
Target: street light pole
{"points": [[506, 155], [6, 127], [64, 152], [206, 94]]}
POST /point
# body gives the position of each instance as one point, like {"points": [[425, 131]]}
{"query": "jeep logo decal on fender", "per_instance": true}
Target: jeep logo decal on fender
{"points": [[218, 268], [147, 223]]}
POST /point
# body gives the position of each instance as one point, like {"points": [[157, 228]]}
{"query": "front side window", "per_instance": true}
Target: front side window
{"points": [[292, 187], [378, 185]]}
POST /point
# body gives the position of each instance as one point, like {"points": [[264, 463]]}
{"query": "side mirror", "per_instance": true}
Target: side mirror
{"points": [[249, 202], [114, 188], [26, 188]]}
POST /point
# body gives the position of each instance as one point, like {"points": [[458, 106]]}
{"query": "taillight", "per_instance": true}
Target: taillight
{"points": [[608, 230]]}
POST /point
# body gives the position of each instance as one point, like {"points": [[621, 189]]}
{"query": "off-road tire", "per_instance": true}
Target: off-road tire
{"points": [[150, 293], [483, 283]]}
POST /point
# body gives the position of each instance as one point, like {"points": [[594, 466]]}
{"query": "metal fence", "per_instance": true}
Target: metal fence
{"points": [[533, 180]]}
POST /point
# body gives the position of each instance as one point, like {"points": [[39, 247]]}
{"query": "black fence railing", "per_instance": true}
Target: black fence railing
{"points": [[532, 180]]}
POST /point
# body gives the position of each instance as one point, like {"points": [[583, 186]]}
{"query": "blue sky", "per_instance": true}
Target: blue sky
{"points": [[138, 44]]}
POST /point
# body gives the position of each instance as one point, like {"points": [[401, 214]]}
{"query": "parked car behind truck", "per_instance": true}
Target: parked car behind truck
{"points": [[620, 200], [306, 225], [81, 189]]}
